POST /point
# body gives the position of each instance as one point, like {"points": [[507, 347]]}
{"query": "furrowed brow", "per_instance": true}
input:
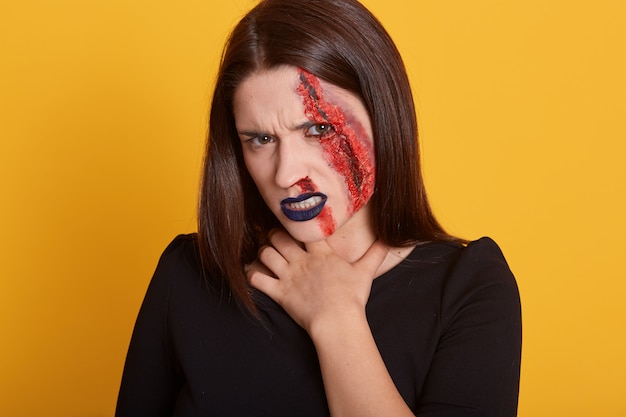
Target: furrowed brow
{"points": [[252, 133], [304, 125]]}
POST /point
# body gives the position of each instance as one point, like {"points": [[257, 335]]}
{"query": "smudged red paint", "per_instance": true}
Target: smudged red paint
{"points": [[325, 218], [306, 185], [347, 150], [327, 221]]}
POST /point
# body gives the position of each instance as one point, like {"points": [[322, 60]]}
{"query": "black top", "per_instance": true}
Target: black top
{"points": [[446, 321]]}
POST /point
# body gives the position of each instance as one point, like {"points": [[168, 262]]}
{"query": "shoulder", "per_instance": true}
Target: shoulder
{"points": [[460, 275], [181, 256], [474, 257], [179, 264], [447, 273], [478, 251], [476, 317], [482, 260], [484, 251], [183, 247], [481, 284]]}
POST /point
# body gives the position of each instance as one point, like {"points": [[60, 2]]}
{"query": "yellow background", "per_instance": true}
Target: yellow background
{"points": [[102, 116]]}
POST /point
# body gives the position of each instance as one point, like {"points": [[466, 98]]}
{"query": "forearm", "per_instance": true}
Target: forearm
{"points": [[356, 379]]}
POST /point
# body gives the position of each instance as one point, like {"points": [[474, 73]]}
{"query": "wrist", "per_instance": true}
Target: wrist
{"points": [[339, 326]]}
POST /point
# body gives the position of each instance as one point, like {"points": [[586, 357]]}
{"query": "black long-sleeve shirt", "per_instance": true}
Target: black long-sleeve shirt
{"points": [[446, 321]]}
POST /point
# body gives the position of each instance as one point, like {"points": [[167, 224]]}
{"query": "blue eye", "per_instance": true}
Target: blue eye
{"points": [[321, 130]]}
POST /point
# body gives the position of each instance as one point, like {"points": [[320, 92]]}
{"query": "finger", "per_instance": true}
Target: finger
{"points": [[286, 245], [320, 246], [258, 266], [265, 283], [272, 259]]}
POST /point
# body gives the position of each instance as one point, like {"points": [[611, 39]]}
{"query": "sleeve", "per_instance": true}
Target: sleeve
{"points": [[476, 367], [150, 381]]}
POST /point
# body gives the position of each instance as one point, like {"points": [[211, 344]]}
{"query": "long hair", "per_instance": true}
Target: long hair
{"points": [[341, 42]]}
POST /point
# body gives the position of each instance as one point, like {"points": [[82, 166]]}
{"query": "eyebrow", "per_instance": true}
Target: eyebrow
{"points": [[305, 125], [251, 133], [254, 133]]}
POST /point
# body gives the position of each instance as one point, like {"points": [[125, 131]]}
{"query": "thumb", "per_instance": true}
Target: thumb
{"points": [[373, 258], [320, 246]]}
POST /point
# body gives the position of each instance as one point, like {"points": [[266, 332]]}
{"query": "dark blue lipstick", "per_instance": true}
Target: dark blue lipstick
{"points": [[304, 207]]}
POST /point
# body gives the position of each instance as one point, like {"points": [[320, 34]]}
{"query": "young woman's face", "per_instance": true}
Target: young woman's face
{"points": [[307, 145]]}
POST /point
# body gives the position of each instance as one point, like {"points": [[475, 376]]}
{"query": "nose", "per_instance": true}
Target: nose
{"points": [[291, 163]]}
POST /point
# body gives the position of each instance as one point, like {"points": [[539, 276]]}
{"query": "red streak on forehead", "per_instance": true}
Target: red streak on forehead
{"points": [[347, 151]]}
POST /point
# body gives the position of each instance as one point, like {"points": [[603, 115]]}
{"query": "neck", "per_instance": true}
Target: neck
{"points": [[351, 246], [353, 240], [355, 237]]}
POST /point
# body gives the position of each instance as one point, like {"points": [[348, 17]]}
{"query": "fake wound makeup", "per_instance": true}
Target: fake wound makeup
{"points": [[346, 149]]}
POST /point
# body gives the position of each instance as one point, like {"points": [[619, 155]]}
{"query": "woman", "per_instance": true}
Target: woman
{"points": [[319, 282]]}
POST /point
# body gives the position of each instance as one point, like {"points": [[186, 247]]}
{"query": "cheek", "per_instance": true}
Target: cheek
{"points": [[259, 176], [250, 168], [348, 152]]}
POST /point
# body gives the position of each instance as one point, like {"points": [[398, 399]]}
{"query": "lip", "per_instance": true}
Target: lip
{"points": [[299, 209]]}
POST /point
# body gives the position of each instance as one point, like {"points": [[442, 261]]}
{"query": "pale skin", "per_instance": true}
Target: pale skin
{"points": [[322, 282]]}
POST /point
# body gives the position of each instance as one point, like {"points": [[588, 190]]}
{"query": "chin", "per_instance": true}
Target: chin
{"points": [[305, 232]]}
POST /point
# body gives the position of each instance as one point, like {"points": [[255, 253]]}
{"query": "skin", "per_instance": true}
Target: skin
{"points": [[348, 147], [290, 148], [321, 277]]}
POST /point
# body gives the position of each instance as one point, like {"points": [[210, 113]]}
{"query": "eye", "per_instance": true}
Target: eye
{"points": [[321, 130], [260, 140]]}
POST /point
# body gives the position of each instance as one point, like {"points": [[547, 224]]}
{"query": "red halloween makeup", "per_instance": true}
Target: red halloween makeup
{"points": [[306, 185], [325, 218], [307, 144], [345, 148]]}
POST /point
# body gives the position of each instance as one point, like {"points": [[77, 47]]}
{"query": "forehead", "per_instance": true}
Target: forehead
{"points": [[267, 91], [273, 92]]}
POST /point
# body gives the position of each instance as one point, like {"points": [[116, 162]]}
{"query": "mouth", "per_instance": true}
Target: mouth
{"points": [[303, 207]]}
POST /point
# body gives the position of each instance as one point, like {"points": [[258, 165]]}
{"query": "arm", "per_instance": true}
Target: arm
{"points": [[475, 369], [149, 382], [356, 379], [327, 297]]}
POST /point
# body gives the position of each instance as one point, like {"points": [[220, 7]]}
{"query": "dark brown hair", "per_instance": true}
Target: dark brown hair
{"points": [[341, 42]]}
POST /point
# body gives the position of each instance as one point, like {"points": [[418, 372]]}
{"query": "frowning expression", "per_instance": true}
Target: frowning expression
{"points": [[307, 145]]}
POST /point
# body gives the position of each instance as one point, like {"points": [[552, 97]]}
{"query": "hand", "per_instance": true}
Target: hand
{"points": [[314, 285]]}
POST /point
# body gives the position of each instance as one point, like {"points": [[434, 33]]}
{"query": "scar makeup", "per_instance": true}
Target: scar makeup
{"points": [[346, 150]]}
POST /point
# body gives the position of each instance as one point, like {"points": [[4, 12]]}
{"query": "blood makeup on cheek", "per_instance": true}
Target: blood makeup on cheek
{"points": [[346, 151]]}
